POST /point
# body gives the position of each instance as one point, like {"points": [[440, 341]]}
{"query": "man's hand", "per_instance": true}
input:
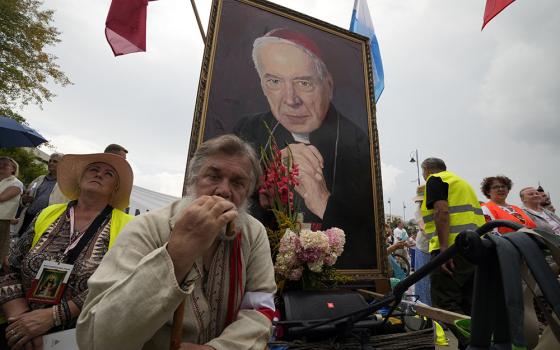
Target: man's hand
{"points": [[25, 330], [312, 187], [26, 198], [197, 229], [449, 266]]}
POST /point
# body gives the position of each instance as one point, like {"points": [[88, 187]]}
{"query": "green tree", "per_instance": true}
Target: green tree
{"points": [[25, 68], [29, 167]]}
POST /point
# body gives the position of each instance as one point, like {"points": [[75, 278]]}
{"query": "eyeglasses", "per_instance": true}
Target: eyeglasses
{"points": [[498, 187]]}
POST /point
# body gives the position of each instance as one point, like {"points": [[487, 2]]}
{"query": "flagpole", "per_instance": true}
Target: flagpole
{"points": [[198, 22]]}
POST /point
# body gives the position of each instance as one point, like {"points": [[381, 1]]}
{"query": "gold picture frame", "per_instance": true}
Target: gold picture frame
{"points": [[229, 89]]}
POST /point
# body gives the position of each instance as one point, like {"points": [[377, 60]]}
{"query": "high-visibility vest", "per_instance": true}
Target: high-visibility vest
{"points": [[499, 214], [464, 209], [51, 213]]}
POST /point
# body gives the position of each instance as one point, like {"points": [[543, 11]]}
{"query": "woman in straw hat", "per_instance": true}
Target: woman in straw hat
{"points": [[66, 241]]}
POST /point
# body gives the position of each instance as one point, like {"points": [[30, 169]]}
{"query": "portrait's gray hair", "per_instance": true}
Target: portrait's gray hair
{"points": [[319, 65], [434, 165], [228, 145]]}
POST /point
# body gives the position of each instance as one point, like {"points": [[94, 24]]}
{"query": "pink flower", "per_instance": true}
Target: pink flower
{"points": [[314, 246], [289, 242], [337, 239]]}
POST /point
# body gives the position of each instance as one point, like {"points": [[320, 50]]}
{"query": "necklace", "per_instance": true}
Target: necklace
{"points": [[76, 234]]}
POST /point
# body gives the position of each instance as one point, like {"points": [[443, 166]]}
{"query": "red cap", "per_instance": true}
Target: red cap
{"points": [[296, 38]]}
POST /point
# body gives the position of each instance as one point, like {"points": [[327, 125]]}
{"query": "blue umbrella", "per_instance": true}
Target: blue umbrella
{"points": [[14, 134]]}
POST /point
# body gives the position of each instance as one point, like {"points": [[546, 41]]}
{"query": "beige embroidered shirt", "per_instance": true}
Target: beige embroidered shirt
{"points": [[133, 294]]}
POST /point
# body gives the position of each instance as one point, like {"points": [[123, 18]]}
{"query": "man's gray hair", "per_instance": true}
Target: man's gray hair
{"points": [[262, 41], [228, 145], [521, 195], [56, 155], [434, 164]]}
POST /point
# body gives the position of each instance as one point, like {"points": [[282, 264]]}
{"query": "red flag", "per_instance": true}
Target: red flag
{"points": [[125, 27], [493, 7]]}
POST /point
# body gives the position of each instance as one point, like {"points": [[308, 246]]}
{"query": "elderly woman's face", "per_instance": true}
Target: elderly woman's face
{"points": [[99, 177], [6, 168], [498, 191], [531, 196]]}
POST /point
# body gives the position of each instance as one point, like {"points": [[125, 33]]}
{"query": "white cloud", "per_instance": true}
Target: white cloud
{"points": [[389, 174], [71, 144]]}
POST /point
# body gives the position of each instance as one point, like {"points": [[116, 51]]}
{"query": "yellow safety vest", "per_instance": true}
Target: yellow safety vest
{"points": [[464, 209], [53, 212]]}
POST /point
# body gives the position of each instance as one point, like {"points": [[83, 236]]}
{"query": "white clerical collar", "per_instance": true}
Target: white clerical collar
{"points": [[301, 137]]}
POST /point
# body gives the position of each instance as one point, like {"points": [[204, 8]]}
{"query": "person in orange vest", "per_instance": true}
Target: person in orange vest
{"points": [[496, 188]]}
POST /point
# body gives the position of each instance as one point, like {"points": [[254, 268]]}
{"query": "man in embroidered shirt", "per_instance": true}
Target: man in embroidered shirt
{"points": [[182, 252], [331, 151]]}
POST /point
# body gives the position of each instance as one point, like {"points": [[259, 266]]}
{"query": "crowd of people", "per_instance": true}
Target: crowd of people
{"points": [[67, 268], [447, 204]]}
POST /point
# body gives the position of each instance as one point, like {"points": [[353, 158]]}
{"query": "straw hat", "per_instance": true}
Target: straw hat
{"points": [[419, 194], [72, 166]]}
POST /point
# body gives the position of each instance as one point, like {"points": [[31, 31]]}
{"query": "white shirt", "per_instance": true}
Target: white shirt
{"points": [[400, 234], [8, 209]]}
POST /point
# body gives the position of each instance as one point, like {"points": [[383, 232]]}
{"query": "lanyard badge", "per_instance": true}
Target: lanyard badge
{"points": [[50, 283]]}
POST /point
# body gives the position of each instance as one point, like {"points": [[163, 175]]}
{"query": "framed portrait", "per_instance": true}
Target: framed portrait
{"points": [[268, 69], [50, 282]]}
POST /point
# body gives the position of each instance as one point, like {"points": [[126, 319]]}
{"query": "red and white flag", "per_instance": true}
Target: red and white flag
{"points": [[493, 8], [125, 27]]}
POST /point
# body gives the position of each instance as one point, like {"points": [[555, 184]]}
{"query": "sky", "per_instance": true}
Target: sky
{"points": [[486, 102]]}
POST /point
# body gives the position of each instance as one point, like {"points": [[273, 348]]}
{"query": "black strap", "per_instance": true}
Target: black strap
{"points": [[497, 314], [485, 299], [73, 253], [510, 267], [539, 268]]}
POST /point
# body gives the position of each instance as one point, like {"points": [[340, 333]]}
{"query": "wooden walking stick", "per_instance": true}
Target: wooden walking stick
{"points": [[177, 326]]}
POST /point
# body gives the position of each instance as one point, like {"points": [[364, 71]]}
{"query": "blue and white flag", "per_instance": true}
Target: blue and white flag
{"points": [[361, 23]]}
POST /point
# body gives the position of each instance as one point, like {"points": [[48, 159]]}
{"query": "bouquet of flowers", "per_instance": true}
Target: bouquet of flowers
{"points": [[277, 191], [298, 254], [309, 252]]}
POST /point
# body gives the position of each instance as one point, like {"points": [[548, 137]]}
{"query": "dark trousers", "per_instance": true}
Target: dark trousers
{"points": [[453, 293]]}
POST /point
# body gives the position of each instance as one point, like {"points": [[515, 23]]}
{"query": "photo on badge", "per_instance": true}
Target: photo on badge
{"points": [[50, 282]]}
